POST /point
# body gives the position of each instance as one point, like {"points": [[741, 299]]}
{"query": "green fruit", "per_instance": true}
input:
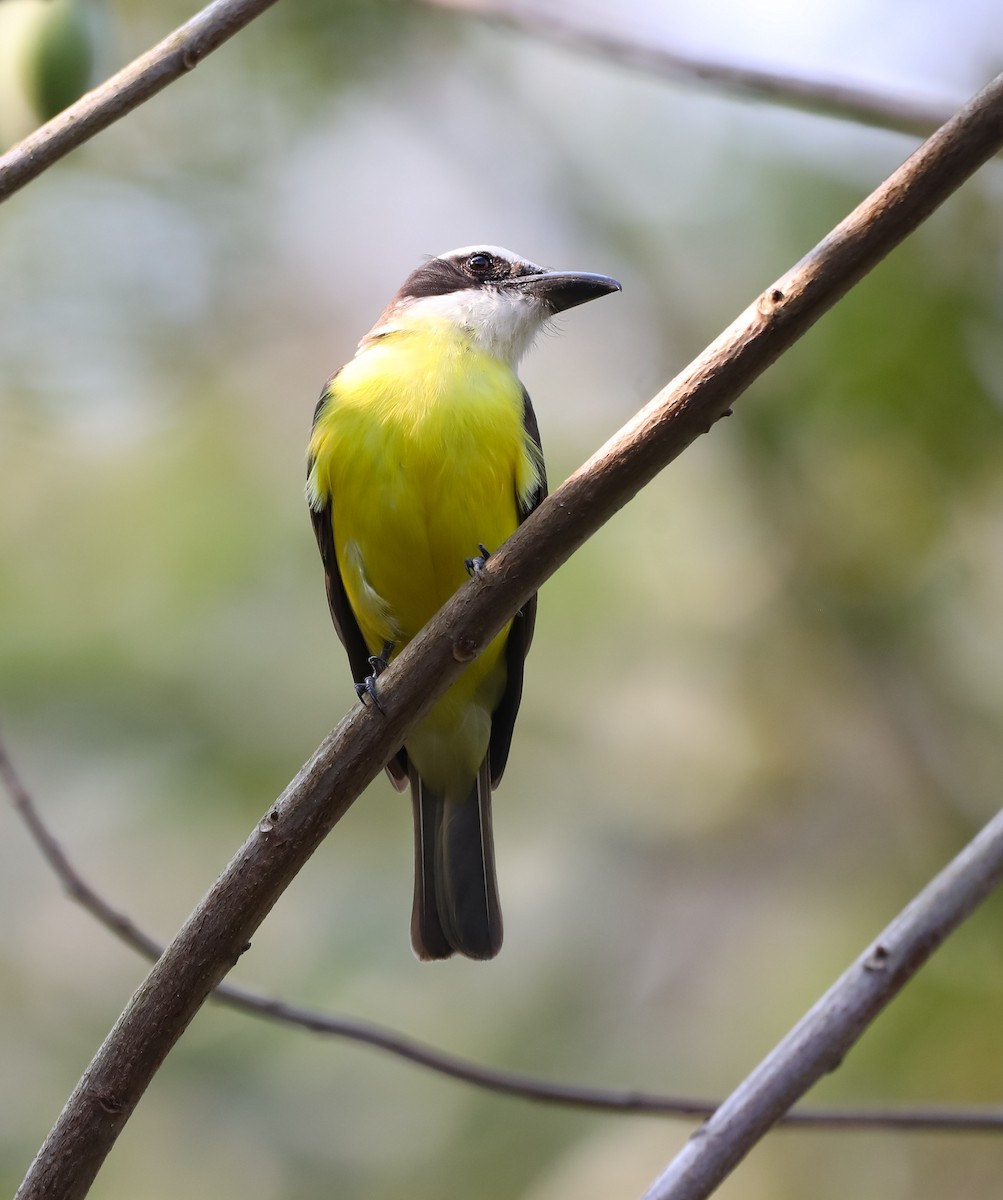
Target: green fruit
{"points": [[57, 57]]}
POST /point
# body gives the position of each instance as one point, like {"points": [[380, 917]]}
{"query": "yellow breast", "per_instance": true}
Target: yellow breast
{"points": [[421, 452]]}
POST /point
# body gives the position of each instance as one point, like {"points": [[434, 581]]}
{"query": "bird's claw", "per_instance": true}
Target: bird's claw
{"points": [[378, 663], [368, 688], [475, 566]]}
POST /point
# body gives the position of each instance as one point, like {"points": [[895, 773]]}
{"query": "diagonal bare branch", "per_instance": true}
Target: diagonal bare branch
{"points": [[866, 106], [179, 53], [618, 1100], [185, 48], [218, 931], [819, 1042]]}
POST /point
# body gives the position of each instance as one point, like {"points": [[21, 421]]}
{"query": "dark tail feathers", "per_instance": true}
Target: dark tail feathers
{"points": [[455, 891]]}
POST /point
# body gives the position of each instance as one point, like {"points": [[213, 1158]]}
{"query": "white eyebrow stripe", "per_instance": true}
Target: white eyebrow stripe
{"points": [[497, 251]]}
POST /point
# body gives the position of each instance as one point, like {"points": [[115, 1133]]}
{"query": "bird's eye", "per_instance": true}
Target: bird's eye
{"points": [[478, 263]]}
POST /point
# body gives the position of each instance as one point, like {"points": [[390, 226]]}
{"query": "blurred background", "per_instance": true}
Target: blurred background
{"points": [[764, 705]]}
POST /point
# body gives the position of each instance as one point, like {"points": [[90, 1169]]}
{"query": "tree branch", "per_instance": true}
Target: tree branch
{"points": [[819, 1042], [182, 51], [973, 1120], [865, 106], [179, 53], [185, 48], [218, 931]]}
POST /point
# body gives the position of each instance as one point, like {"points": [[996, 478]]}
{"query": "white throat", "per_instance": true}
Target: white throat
{"points": [[501, 323]]}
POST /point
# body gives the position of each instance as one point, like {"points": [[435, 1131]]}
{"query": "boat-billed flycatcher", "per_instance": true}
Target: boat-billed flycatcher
{"points": [[425, 451]]}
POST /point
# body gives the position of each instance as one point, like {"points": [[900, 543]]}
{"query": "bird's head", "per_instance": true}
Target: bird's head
{"points": [[498, 298]]}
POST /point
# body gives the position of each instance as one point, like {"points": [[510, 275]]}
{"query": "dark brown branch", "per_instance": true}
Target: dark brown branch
{"points": [[865, 106], [179, 53], [974, 1120], [218, 931]]}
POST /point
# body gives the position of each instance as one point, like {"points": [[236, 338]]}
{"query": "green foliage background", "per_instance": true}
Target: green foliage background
{"points": [[764, 705]]}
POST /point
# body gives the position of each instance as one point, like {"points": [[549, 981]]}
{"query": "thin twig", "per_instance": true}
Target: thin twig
{"points": [[76, 886], [182, 51], [819, 1042], [865, 106], [179, 53], [976, 1120]]}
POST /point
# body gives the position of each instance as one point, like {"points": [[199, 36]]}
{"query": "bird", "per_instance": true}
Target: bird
{"points": [[424, 456]]}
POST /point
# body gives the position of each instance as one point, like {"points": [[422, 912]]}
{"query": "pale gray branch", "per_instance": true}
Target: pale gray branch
{"points": [[822, 1038], [185, 48], [866, 106], [182, 51]]}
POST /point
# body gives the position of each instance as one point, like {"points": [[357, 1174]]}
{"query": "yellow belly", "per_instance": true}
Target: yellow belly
{"points": [[421, 451]]}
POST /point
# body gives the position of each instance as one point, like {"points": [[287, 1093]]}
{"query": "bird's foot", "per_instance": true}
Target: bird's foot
{"points": [[378, 664], [475, 566]]}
